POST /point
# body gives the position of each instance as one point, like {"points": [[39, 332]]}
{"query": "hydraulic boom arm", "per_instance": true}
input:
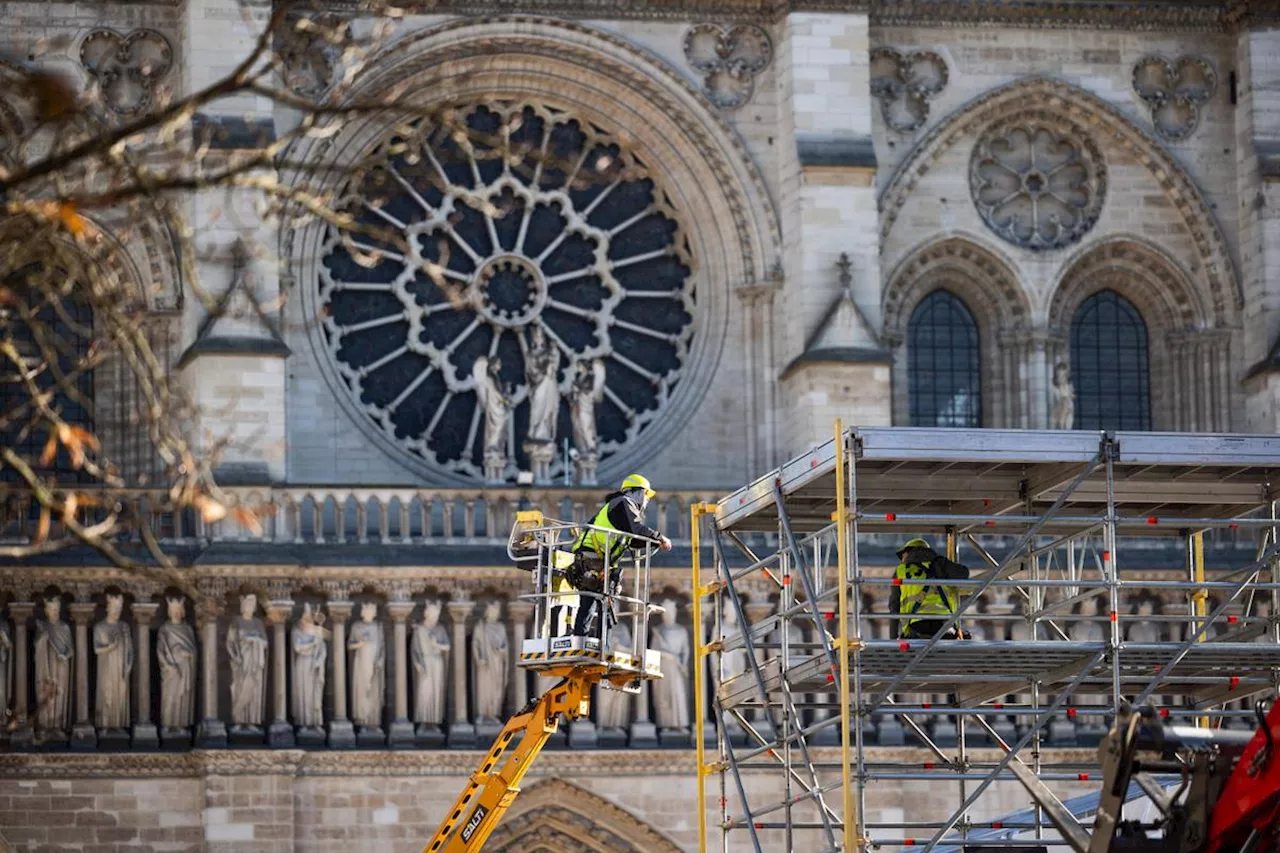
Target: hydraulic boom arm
{"points": [[490, 792]]}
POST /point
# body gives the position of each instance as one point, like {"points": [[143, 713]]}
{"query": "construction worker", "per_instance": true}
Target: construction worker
{"points": [[917, 591], [598, 555]]}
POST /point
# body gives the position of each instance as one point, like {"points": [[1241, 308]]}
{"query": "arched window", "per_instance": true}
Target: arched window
{"points": [[944, 383], [53, 336], [1109, 364]]}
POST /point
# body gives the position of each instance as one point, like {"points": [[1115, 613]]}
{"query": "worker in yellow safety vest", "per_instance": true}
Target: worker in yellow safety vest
{"points": [[598, 554], [916, 591]]}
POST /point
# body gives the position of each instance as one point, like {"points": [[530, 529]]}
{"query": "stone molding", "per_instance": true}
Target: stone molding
{"points": [[421, 763], [1150, 278], [1045, 97], [565, 808], [1205, 16]]}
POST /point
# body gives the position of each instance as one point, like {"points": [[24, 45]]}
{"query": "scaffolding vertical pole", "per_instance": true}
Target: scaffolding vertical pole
{"points": [[962, 752], [847, 813], [1113, 574], [695, 519], [1199, 597]]}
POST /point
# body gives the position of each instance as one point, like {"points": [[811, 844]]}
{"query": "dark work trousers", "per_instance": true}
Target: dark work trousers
{"points": [[924, 629], [587, 622]]}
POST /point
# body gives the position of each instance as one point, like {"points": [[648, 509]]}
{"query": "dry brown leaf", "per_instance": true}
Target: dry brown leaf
{"points": [[85, 437], [50, 451], [42, 527], [248, 518], [53, 94], [73, 444], [210, 510]]}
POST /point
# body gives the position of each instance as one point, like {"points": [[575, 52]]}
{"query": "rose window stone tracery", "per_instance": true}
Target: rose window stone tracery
{"points": [[1037, 186], [534, 237]]}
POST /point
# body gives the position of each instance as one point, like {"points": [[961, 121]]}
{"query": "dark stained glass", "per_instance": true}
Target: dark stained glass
{"points": [[1109, 364], [945, 386]]}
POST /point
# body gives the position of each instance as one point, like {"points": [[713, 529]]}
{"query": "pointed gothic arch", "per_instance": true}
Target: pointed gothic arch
{"points": [[1215, 276], [557, 815], [989, 289], [1189, 359]]}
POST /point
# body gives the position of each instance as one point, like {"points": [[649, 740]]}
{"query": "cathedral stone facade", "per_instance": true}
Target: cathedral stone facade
{"points": [[956, 213]]}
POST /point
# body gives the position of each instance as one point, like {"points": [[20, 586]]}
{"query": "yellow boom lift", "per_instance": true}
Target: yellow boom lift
{"points": [[541, 546]]}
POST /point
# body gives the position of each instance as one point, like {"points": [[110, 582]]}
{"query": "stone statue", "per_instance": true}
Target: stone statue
{"points": [[1064, 398], [113, 647], [588, 391], [368, 668], [491, 659], [1144, 629], [247, 649], [430, 654], [176, 652], [613, 707], [54, 650], [733, 662], [542, 363], [495, 398], [310, 653], [6, 670], [671, 692]]}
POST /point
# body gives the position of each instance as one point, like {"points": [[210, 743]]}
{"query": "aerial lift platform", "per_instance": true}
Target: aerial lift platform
{"points": [[542, 547]]}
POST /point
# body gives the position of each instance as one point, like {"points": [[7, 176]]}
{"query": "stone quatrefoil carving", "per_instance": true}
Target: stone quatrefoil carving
{"points": [[1037, 185], [1174, 92], [126, 67], [904, 83], [729, 58]]}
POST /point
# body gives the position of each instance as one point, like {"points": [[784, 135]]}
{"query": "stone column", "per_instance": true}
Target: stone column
{"points": [[644, 734], [401, 735], [83, 735], [462, 733], [21, 736], [280, 732], [145, 735], [518, 612], [212, 731], [342, 734]]}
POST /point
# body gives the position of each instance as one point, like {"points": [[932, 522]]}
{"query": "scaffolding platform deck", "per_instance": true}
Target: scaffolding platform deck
{"points": [[924, 471], [980, 671]]}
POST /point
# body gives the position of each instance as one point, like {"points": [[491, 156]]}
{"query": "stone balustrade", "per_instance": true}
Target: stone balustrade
{"points": [[369, 515]]}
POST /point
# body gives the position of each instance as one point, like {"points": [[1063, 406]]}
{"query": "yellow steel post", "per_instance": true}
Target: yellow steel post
{"points": [[847, 812], [1200, 596], [695, 515]]}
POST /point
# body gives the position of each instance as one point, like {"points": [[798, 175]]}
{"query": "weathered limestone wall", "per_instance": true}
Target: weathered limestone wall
{"points": [[298, 802]]}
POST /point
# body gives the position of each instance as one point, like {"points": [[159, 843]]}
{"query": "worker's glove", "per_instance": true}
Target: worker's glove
{"points": [[666, 543]]}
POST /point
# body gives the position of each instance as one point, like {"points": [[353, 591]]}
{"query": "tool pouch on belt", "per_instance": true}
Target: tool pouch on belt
{"points": [[587, 572]]}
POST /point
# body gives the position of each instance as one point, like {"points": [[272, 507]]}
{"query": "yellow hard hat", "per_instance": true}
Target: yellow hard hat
{"points": [[635, 481], [912, 543]]}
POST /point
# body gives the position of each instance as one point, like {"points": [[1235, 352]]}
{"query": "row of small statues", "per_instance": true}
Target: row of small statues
{"points": [[247, 643]]}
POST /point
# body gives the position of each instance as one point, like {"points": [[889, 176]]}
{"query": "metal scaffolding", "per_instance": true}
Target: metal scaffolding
{"points": [[1057, 508]]}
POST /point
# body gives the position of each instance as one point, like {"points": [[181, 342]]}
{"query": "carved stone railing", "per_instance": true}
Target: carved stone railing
{"points": [[370, 514]]}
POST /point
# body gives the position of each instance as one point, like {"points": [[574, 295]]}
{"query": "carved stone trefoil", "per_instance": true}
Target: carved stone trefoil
{"points": [[728, 58], [1174, 92], [904, 83], [127, 68]]}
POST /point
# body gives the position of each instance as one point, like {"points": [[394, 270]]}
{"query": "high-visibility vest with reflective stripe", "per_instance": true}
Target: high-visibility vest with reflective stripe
{"points": [[598, 540], [922, 595]]}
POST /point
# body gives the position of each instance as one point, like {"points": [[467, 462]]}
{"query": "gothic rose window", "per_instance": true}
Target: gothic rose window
{"points": [[535, 238], [1036, 187], [944, 381], [1109, 364]]}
